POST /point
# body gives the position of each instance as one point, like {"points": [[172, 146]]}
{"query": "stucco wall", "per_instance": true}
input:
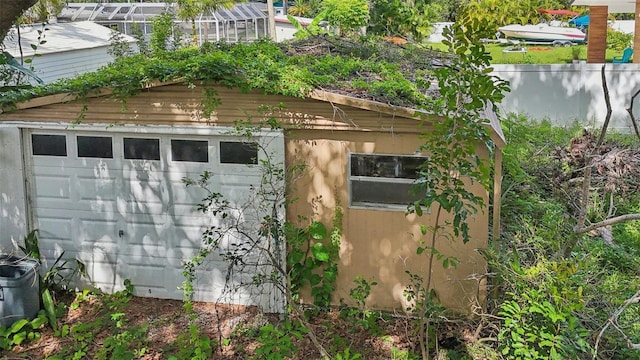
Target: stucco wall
{"points": [[379, 244]]}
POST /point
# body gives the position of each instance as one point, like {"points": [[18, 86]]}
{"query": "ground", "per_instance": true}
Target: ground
{"points": [[391, 336]]}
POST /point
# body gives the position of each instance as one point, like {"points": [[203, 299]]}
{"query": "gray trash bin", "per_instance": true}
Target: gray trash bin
{"points": [[19, 289]]}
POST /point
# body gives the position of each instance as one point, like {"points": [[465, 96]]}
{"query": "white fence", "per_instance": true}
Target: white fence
{"points": [[567, 93]]}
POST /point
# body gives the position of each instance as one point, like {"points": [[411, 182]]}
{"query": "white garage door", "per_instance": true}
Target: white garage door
{"points": [[116, 200]]}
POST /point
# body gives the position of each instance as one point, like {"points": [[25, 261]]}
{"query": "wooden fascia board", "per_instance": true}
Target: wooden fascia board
{"points": [[320, 95], [340, 99], [67, 97]]}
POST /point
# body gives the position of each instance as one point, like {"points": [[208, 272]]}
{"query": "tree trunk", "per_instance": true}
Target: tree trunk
{"points": [[11, 10]]}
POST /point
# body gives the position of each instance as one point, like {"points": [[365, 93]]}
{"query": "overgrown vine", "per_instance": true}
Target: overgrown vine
{"points": [[459, 122]]}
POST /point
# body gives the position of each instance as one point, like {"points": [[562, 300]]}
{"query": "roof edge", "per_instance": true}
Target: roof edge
{"points": [[320, 95]]}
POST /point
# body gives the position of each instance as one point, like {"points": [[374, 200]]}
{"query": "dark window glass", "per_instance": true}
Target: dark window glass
{"points": [[141, 149], [190, 150], [95, 147], [402, 167], [373, 192], [238, 153], [51, 145], [384, 179]]}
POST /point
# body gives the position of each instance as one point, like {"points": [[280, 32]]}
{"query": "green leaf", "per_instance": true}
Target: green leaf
{"points": [[317, 230], [18, 325], [49, 308], [320, 252], [315, 279], [295, 256], [19, 337]]}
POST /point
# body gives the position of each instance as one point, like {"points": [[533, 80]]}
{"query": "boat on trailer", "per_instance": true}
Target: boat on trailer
{"points": [[544, 32]]}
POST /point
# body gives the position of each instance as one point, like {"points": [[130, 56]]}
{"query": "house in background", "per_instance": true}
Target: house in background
{"points": [[109, 190], [62, 50]]}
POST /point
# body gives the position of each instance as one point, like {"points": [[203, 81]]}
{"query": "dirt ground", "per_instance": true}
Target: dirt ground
{"points": [[167, 319]]}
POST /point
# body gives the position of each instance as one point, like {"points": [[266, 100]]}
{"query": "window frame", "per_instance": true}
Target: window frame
{"points": [[377, 179]]}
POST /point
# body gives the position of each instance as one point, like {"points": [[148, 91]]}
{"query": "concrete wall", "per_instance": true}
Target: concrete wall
{"points": [[570, 92]]}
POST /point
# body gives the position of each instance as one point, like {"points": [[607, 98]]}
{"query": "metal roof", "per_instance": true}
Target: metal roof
{"points": [[59, 37], [113, 12]]}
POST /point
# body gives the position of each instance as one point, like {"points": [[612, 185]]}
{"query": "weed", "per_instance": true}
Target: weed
{"points": [[277, 341]]}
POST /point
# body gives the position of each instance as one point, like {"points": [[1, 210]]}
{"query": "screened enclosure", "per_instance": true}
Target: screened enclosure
{"points": [[244, 22]]}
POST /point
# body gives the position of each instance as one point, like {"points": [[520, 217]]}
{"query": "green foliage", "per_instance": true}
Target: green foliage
{"points": [[365, 318], [305, 8], [277, 342], [21, 331], [312, 29], [59, 278], [263, 65], [160, 38], [312, 260], [451, 144], [347, 355], [541, 309], [118, 47], [555, 308], [193, 344], [346, 15], [124, 340], [496, 13], [403, 18], [618, 40]]}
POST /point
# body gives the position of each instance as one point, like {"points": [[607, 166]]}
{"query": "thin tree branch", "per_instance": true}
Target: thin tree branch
{"points": [[607, 222], [633, 117], [613, 321]]}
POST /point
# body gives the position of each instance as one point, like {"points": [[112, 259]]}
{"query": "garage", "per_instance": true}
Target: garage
{"points": [[115, 199]]}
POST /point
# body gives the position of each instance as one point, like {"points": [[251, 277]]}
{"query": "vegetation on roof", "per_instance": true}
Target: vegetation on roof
{"points": [[368, 67]]}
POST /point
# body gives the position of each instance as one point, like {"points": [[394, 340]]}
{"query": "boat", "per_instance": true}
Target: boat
{"points": [[546, 32]]}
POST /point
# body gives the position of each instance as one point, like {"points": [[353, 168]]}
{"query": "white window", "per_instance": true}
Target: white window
{"points": [[383, 181]]}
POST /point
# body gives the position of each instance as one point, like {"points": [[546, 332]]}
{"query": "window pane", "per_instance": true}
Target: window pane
{"points": [[95, 147], [389, 166], [374, 192], [190, 150], [51, 145], [142, 149], [238, 153]]}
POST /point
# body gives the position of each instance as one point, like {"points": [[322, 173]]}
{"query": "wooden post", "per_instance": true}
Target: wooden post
{"points": [[596, 49], [271, 13], [636, 37]]}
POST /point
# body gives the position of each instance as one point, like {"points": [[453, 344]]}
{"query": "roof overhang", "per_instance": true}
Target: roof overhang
{"points": [[494, 124], [334, 98]]}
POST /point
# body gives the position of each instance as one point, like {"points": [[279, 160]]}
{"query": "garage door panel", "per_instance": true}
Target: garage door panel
{"points": [[53, 187], [151, 276], [146, 240], [135, 218], [97, 189], [93, 232], [54, 228], [101, 266]]}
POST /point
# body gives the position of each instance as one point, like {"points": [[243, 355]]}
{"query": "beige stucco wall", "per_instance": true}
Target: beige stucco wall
{"points": [[379, 245]]}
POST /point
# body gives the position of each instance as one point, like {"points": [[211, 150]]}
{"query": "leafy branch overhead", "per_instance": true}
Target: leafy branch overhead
{"points": [[366, 68]]}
